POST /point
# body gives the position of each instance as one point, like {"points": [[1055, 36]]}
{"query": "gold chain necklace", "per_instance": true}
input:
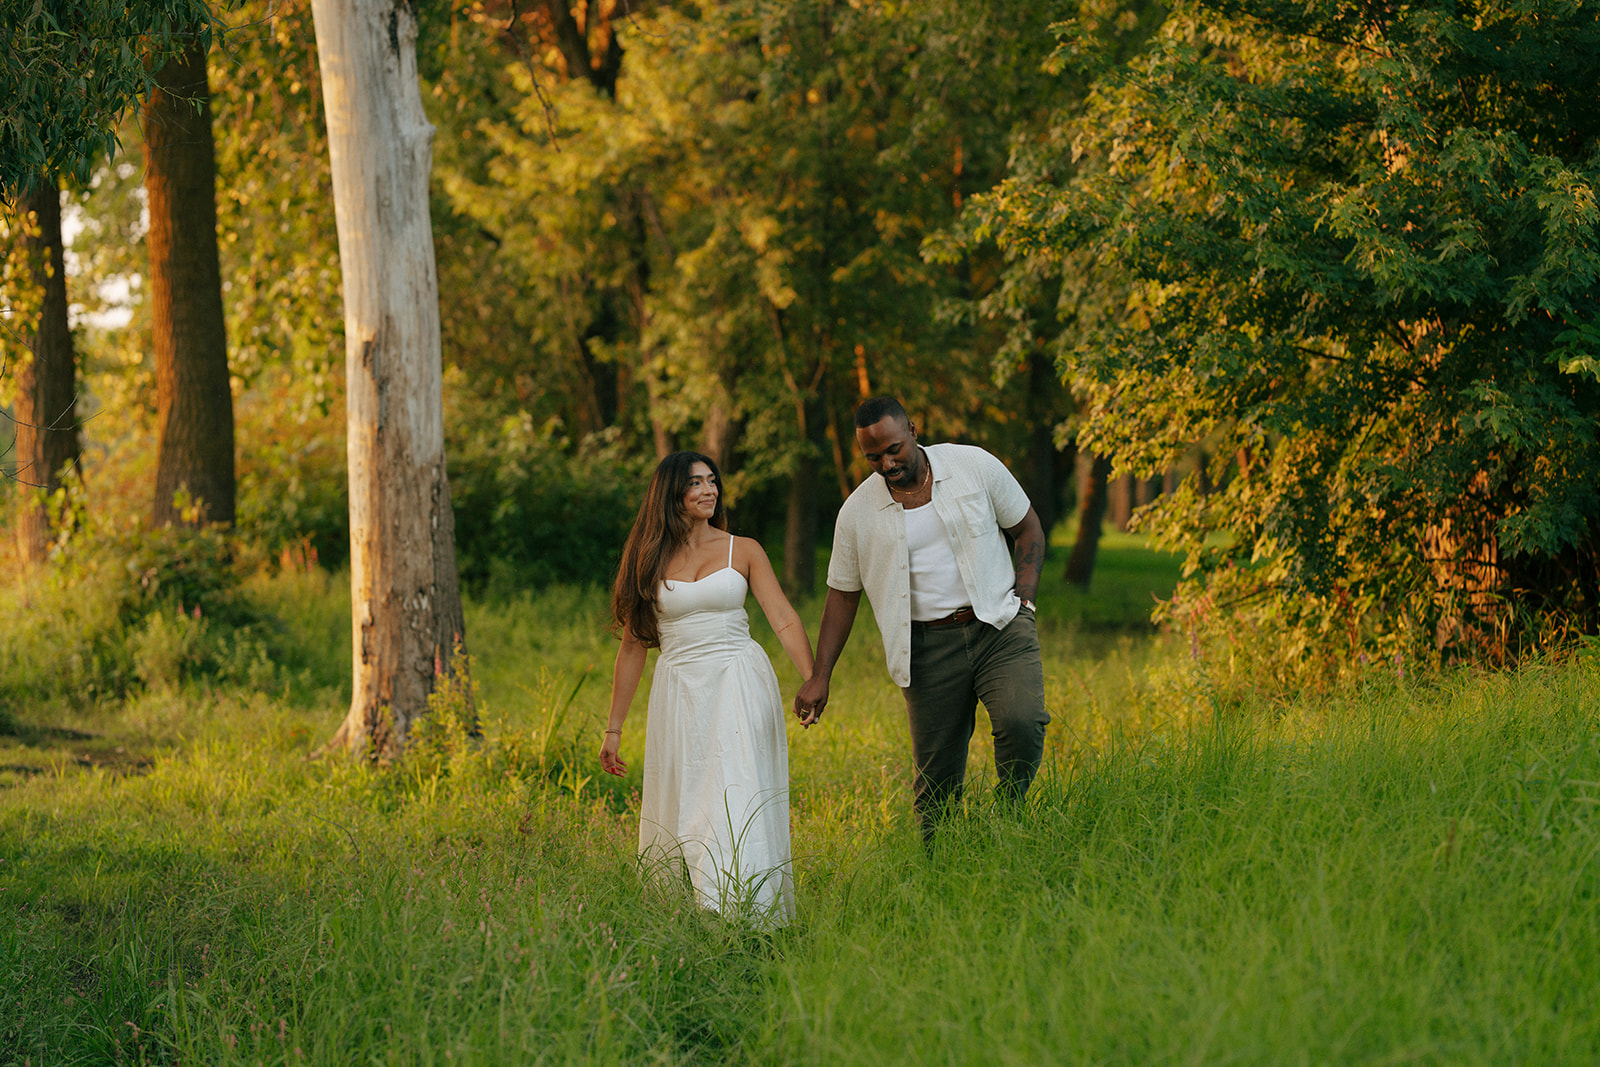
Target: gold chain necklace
{"points": [[926, 478]]}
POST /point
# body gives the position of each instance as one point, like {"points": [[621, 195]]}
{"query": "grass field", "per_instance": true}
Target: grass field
{"points": [[1398, 870]]}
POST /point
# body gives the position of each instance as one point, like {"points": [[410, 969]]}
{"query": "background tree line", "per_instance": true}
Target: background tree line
{"points": [[1325, 275]]}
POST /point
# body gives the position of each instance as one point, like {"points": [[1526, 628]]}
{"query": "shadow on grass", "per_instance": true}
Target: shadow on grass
{"points": [[28, 750]]}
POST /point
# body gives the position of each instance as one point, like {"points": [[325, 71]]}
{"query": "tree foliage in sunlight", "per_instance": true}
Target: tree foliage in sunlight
{"points": [[1350, 255], [1360, 253], [721, 248], [281, 288]]}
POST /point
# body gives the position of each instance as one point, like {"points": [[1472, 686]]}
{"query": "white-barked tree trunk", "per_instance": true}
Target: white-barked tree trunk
{"points": [[405, 597]]}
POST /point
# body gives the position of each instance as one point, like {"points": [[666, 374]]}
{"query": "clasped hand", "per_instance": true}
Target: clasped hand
{"points": [[810, 701]]}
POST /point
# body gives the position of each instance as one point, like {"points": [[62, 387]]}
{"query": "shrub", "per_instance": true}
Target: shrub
{"points": [[122, 606], [530, 511], [292, 493], [461, 743]]}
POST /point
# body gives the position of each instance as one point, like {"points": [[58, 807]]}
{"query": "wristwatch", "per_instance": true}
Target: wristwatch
{"points": [[1032, 608]]}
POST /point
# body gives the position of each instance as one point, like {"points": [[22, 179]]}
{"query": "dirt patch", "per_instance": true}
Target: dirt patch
{"points": [[30, 751], [37, 735]]}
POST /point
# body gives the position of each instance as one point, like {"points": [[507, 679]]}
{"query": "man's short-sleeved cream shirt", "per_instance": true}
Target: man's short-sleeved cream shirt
{"points": [[977, 498]]}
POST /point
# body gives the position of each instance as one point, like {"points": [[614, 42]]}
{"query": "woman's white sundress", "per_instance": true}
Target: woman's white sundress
{"points": [[716, 757]]}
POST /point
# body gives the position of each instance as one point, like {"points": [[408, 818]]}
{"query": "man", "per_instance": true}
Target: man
{"points": [[956, 612]]}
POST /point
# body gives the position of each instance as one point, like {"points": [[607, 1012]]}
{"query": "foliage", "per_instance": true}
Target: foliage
{"points": [[443, 740], [279, 259], [275, 223], [529, 513], [726, 251], [21, 299], [123, 607], [68, 71], [462, 744], [1040, 301], [292, 474], [1359, 254]]}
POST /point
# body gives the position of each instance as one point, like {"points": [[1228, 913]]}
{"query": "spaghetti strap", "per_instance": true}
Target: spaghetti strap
{"points": [[730, 550]]}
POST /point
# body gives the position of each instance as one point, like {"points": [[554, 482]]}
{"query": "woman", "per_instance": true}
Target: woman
{"points": [[716, 758]]}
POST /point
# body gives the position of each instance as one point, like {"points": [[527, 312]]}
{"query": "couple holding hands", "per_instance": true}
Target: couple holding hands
{"points": [[954, 604]]}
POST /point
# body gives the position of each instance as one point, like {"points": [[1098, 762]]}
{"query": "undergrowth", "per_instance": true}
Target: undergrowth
{"points": [[1210, 869]]}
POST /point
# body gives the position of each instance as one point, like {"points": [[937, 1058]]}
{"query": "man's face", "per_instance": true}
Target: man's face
{"points": [[891, 447]]}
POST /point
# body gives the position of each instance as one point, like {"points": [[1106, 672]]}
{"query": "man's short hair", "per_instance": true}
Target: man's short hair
{"points": [[871, 412]]}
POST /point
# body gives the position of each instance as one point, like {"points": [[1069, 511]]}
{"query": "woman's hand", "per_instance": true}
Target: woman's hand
{"points": [[609, 759], [624, 680]]}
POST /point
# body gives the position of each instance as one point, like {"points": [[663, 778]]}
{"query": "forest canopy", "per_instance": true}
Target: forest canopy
{"points": [[1317, 279]]}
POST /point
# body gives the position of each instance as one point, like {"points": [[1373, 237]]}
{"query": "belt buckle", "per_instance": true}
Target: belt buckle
{"points": [[965, 614]]}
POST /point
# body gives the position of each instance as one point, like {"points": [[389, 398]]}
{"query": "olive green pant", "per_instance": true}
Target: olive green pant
{"points": [[952, 668]]}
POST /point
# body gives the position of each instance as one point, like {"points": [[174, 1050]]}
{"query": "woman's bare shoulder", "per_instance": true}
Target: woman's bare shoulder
{"points": [[749, 556]]}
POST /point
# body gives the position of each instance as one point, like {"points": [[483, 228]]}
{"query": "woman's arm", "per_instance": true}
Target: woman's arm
{"points": [[781, 616], [624, 683]]}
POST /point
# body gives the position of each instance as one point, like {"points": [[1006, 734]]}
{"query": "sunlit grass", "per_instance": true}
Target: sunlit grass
{"points": [[1392, 871]]}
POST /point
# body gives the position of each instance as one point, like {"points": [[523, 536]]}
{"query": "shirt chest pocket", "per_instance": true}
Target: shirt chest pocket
{"points": [[977, 516]]}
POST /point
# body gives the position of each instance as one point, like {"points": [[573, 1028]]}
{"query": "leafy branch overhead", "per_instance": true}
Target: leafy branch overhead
{"points": [[68, 71]]}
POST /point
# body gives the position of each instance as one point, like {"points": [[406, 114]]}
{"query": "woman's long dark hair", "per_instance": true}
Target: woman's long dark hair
{"points": [[660, 530]]}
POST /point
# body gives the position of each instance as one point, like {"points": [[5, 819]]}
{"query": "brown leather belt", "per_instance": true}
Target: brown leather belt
{"points": [[959, 615]]}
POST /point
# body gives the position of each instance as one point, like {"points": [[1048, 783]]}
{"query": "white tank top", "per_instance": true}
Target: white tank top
{"points": [[936, 585]]}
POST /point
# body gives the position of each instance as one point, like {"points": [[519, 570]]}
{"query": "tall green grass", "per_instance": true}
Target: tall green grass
{"points": [[1208, 871]]}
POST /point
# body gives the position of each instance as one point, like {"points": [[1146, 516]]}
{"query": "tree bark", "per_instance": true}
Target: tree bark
{"points": [[800, 525], [1043, 490], [800, 530], [574, 46], [405, 595], [716, 432], [1091, 516], [46, 401], [1120, 501], [195, 401], [841, 463]]}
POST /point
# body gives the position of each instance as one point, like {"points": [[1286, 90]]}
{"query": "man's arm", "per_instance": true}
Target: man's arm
{"points": [[1027, 557], [838, 617]]}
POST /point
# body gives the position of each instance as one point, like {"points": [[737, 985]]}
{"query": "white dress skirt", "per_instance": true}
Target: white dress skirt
{"points": [[716, 757]]}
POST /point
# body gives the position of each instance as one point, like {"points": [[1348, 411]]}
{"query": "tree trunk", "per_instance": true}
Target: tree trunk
{"points": [[405, 598], [716, 432], [46, 400], [1042, 488], [195, 402], [841, 462], [1091, 516], [800, 526], [665, 442], [800, 530], [1119, 501], [573, 44]]}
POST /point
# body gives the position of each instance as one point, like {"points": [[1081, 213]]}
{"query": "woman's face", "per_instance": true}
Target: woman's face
{"points": [[700, 501]]}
